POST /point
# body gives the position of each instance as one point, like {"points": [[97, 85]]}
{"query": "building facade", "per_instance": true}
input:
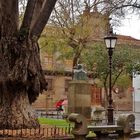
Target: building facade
{"points": [[136, 93], [59, 73]]}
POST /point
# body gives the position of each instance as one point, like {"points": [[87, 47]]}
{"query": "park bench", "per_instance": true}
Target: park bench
{"points": [[50, 112], [106, 129], [124, 127], [53, 113]]}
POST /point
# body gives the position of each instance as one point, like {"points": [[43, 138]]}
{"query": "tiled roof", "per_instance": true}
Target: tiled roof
{"points": [[123, 39]]}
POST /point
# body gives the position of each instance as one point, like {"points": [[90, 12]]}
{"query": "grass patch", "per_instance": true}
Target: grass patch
{"points": [[54, 122], [61, 123]]}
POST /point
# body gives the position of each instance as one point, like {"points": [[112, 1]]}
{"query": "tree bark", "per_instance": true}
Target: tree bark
{"points": [[9, 17], [21, 75], [37, 10], [40, 23], [17, 113], [28, 16], [21, 81]]}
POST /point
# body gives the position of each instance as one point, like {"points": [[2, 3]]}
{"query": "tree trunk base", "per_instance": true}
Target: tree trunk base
{"points": [[18, 114]]}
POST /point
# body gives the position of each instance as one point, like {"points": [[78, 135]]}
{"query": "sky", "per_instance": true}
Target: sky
{"points": [[130, 26]]}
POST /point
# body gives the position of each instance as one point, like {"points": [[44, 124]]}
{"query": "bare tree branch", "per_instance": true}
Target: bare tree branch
{"points": [[120, 72], [129, 5], [44, 15], [28, 16], [37, 10]]}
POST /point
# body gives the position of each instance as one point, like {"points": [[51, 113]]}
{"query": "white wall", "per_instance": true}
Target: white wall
{"points": [[136, 93]]}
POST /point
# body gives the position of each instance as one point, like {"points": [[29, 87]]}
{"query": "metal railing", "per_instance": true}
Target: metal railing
{"points": [[41, 132]]}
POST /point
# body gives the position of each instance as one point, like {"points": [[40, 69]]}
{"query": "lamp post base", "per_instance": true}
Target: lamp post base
{"points": [[110, 115]]}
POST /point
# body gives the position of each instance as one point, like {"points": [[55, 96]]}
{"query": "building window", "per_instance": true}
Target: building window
{"points": [[50, 84], [48, 61]]}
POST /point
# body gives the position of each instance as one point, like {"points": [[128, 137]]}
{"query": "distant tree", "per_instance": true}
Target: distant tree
{"points": [[125, 62], [21, 75], [80, 22], [71, 20]]}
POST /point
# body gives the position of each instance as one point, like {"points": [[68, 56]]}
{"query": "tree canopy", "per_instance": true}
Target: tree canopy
{"points": [[80, 22]]}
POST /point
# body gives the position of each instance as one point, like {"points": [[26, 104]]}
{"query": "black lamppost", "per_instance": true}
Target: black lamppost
{"points": [[110, 42]]}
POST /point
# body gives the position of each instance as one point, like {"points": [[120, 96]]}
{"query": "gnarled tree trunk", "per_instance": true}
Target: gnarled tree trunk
{"points": [[17, 113], [21, 74], [21, 81]]}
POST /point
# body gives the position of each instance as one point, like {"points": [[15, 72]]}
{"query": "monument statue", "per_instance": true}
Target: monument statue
{"points": [[79, 73], [79, 93]]}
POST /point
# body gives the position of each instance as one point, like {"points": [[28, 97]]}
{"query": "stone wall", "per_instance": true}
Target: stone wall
{"points": [[40, 103], [79, 98], [124, 100], [50, 97]]}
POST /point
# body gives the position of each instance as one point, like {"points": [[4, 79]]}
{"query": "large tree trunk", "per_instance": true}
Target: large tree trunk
{"points": [[21, 74], [17, 112], [21, 81]]}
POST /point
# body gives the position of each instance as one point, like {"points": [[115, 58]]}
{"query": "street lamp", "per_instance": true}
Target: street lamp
{"points": [[110, 42]]}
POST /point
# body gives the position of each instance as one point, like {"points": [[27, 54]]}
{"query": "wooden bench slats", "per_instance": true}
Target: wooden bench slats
{"points": [[105, 127]]}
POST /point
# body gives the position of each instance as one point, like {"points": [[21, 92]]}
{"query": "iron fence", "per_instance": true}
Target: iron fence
{"points": [[41, 132]]}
